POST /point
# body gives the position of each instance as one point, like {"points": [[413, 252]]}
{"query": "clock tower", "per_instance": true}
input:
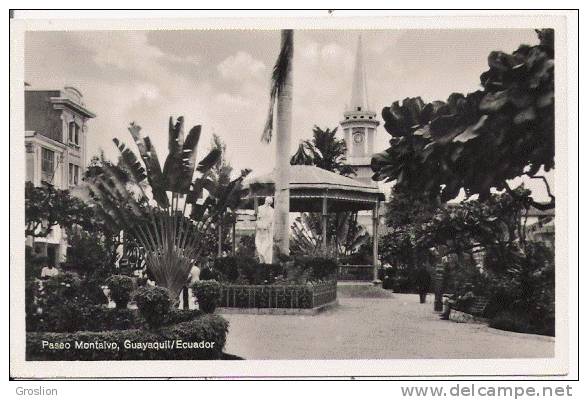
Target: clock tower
{"points": [[359, 123]]}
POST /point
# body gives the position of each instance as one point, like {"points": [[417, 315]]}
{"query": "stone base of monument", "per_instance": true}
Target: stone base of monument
{"points": [[278, 311]]}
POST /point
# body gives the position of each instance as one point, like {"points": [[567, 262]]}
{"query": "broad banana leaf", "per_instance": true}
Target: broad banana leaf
{"points": [[209, 161]]}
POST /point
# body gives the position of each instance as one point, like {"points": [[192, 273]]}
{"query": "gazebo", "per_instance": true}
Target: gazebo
{"points": [[313, 189]]}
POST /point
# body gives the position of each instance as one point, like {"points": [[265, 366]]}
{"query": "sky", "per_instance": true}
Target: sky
{"points": [[220, 79]]}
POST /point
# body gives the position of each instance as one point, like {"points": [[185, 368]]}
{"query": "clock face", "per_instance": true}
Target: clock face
{"points": [[358, 138]]}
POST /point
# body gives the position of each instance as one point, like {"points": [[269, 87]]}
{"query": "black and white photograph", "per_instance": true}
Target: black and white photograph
{"points": [[377, 196]]}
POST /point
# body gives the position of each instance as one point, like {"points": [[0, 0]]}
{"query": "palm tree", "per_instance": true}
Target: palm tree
{"points": [[281, 98], [167, 212], [325, 151], [220, 173]]}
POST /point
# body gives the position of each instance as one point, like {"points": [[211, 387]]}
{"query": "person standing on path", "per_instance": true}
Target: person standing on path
{"points": [[188, 300], [441, 271], [423, 284]]}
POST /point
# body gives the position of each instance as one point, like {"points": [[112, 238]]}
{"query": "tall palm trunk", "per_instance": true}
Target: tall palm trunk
{"points": [[281, 98], [282, 191]]}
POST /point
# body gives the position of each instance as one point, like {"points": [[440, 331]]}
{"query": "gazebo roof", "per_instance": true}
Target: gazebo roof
{"points": [[309, 184]]}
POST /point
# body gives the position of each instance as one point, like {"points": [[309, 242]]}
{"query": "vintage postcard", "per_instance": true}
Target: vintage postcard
{"points": [[322, 196]]}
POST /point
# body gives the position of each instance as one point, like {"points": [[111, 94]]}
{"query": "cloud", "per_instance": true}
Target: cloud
{"points": [[232, 100], [189, 59], [221, 79], [241, 66], [123, 50]]}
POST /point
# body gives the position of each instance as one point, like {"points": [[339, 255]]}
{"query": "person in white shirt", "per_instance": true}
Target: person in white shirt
{"points": [[49, 271], [193, 276]]}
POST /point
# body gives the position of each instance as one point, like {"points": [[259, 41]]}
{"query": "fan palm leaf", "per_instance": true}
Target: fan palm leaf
{"points": [[155, 175], [180, 162], [131, 162]]}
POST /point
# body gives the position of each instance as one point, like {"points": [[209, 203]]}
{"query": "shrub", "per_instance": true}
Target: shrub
{"points": [[99, 318], [208, 274], [65, 285], [305, 268], [207, 293], [111, 319], [526, 288], [121, 287], [208, 328], [228, 267], [68, 316], [177, 316], [154, 304], [63, 303], [92, 289], [511, 321], [247, 271], [246, 247]]}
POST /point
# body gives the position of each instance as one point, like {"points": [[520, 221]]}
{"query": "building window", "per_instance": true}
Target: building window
{"points": [[47, 164], [74, 174], [74, 133]]}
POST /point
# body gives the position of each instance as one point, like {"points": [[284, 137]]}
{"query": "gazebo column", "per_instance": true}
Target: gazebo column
{"points": [[324, 221], [375, 237]]}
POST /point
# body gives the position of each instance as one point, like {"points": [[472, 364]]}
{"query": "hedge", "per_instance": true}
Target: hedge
{"points": [[247, 271], [101, 318], [204, 337]]}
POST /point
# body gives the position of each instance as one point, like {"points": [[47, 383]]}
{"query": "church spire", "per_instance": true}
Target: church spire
{"points": [[359, 124], [359, 100]]}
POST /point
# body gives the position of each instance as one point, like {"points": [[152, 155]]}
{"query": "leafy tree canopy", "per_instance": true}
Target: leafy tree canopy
{"points": [[481, 140], [47, 207]]}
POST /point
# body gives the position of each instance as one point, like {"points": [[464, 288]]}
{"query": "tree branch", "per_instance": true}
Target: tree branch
{"points": [[529, 200]]}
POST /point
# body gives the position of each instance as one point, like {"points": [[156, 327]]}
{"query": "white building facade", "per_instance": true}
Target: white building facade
{"points": [[55, 141]]}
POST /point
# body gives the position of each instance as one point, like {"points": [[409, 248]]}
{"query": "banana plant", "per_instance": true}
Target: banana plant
{"points": [[167, 211]]}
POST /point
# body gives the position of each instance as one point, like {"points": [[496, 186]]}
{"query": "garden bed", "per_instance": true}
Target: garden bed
{"points": [[200, 339], [278, 298]]}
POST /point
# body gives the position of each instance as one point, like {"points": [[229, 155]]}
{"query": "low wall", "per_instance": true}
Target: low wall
{"points": [[309, 296]]}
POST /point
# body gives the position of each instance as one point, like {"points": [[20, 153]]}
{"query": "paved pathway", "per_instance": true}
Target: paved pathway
{"points": [[375, 328]]}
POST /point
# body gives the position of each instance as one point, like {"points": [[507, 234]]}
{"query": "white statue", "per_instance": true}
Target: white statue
{"points": [[264, 231]]}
